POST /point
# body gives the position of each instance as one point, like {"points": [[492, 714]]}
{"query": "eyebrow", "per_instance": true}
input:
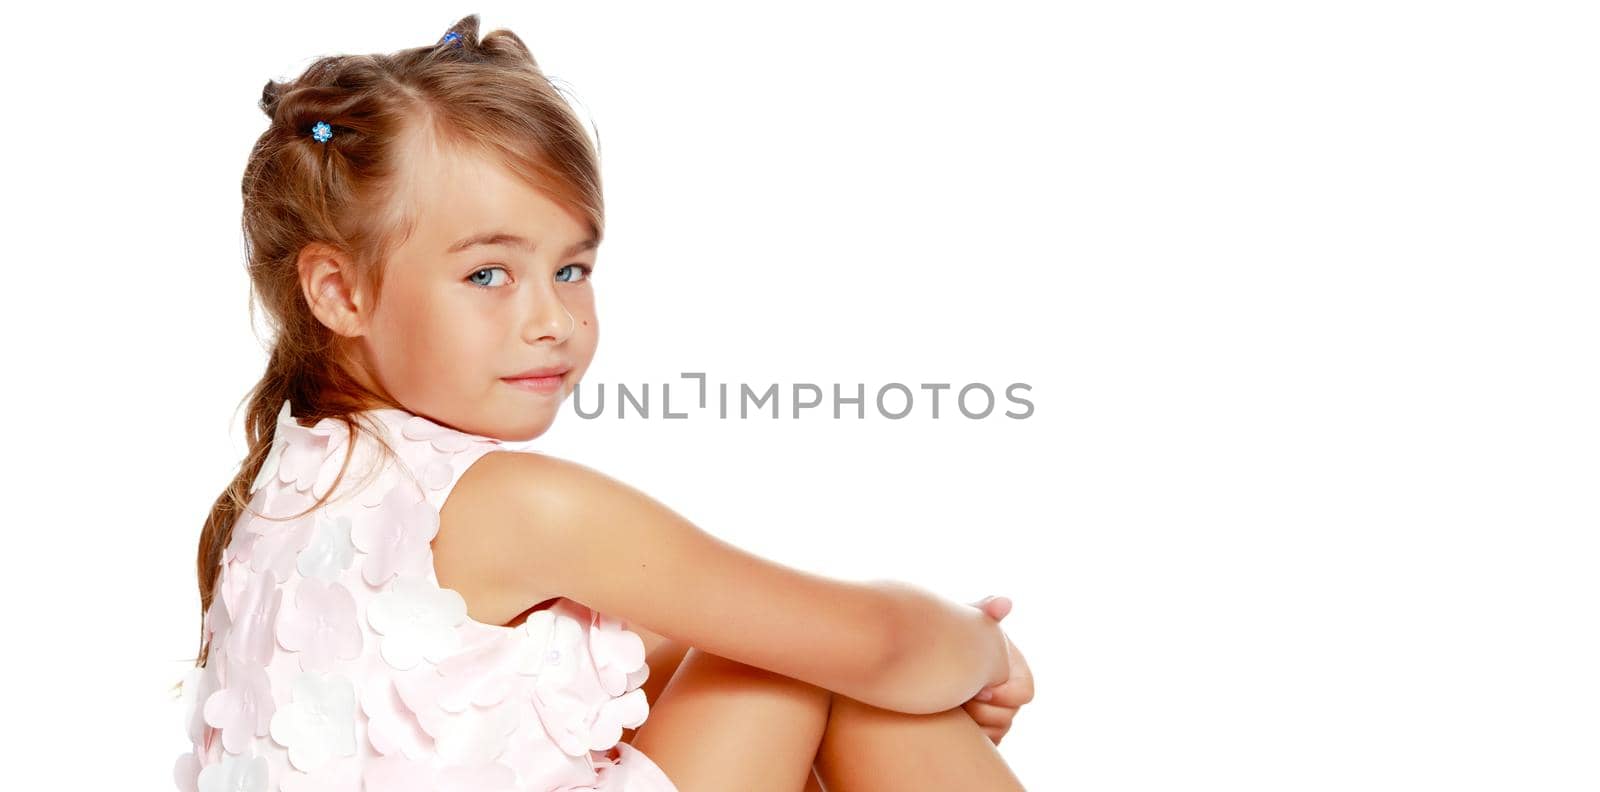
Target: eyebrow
{"points": [[501, 238]]}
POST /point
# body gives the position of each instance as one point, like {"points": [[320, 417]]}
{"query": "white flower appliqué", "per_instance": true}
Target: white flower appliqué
{"points": [[373, 496], [300, 462], [481, 674], [471, 701], [434, 471], [573, 704], [443, 438], [627, 711], [320, 723], [396, 538], [417, 619], [250, 639], [269, 467], [198, 685], [330, 551], [549, 641], [321, 625], [391, 728], [279, 541], [186, 773], [477, 736], [619, 657], [243, 541], [245, 774], [217, 621], [243, 708], [533, 755]]}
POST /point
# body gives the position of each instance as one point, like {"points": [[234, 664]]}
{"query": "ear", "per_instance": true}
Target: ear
{"points": [[329, 281]]}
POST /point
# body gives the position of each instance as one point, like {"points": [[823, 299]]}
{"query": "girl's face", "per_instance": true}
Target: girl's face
{"points": [[493, 282]]}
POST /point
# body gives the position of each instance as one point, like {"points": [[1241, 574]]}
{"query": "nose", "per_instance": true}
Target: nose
{"points": [[547, 317]]}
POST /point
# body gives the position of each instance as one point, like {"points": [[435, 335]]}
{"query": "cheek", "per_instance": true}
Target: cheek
{"points": [[423, 339], [583, 310], [446, 337], [583, 344]]}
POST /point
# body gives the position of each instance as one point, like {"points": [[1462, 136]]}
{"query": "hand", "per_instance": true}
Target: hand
{"points": [[995, 706]]}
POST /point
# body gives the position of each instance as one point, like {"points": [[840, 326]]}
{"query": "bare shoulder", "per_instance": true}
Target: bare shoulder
{"points": [[500, 542], [469, 551], [530, 526]]}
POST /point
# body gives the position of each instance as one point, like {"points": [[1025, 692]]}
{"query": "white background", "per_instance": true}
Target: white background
{"points": [[1304, 293]]}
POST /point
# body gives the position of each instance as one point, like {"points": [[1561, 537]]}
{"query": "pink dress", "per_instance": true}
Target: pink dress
{"points": [[339, 664]]}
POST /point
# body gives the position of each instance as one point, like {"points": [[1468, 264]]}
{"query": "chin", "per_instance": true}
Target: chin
{"points": [[527, 427]]}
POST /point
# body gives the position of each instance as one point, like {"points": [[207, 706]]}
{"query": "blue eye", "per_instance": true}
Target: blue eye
{"points": [[473, 278], [585, 268]]}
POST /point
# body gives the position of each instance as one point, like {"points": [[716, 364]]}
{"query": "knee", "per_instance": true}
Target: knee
{"points": [[842, 708]]}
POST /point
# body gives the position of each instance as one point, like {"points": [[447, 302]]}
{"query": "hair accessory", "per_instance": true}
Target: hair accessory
{"points": [[321, 131], [451, 36]]}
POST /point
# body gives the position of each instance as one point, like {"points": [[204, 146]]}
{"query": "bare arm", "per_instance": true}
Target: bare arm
{"points": [[927, 671], [944, 652], [550, 527]]}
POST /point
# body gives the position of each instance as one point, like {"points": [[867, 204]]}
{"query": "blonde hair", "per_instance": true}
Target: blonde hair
{"points": [[487, 95]]}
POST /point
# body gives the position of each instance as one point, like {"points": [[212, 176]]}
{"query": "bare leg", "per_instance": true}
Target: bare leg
{"points": [[867, 748], [723, 725]]}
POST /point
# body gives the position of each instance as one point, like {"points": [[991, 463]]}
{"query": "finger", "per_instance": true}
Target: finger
{"points": [[1010, 694], [993, 606], [989, 714], [1021, 677], [1013, 692], [998, 607]]}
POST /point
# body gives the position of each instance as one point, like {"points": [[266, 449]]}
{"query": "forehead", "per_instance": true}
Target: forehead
{"points": [[456, 192]]}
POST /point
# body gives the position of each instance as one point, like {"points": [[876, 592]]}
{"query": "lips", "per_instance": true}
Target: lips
{"points": [[547, 381], [548, 371]]}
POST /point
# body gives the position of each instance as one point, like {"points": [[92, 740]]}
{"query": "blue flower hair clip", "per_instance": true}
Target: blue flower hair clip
{"points": [[452, 36], [321, 131]]}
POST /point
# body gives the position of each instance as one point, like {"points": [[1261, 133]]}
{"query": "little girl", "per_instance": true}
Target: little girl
{"points": [[391, 600]]}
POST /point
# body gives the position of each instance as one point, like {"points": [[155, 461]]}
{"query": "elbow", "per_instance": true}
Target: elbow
{"points": [[904, 677], [885, 680]]}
